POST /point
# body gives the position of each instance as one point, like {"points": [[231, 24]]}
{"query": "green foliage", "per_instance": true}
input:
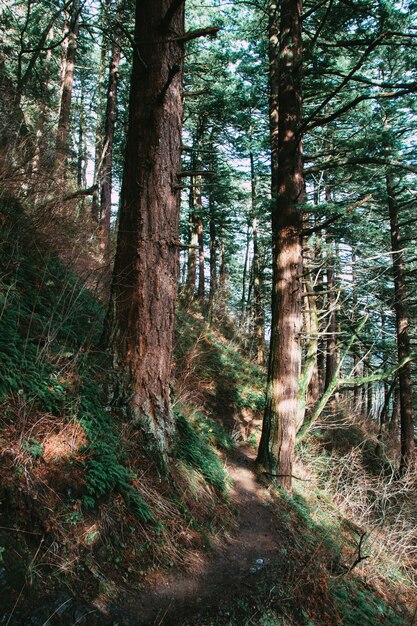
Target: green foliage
{"points": [[48, 323], [239, 382], [33, 446], [359, 605], [194, 446], [105, 470]]}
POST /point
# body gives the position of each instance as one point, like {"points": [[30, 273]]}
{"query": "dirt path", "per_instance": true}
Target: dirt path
{"points": [[230, 572]]}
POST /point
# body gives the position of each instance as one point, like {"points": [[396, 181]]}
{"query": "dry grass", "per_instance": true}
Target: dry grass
{"points": [[377, 501]]}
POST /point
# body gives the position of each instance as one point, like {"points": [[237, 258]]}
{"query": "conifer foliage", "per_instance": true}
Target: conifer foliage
{"points": [[234, 185]]}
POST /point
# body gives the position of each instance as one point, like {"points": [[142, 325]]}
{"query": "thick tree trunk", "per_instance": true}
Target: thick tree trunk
{"points": [[67, 88], [403, 337], [144, 288], [276, 450]]}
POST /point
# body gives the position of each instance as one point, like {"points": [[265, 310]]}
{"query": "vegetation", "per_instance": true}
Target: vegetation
{"points": [[207, 319]]}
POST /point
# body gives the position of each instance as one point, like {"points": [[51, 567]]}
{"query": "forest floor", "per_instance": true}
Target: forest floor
{"points": [[231, 573]]}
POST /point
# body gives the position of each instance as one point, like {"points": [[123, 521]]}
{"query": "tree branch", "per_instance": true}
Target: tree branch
{"points": [[345, 108], [210, 31], [314, 229], [360, 161]]}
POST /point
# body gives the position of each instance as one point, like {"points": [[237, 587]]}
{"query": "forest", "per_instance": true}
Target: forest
{"points": [[207, 312]]}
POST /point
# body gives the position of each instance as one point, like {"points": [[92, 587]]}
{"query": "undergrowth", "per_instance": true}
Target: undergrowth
{"points": [[82, 503], [194, 440], [67, 459]]}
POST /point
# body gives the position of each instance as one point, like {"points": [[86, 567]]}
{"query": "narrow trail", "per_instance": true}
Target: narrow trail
{"points": [[242, 563]]}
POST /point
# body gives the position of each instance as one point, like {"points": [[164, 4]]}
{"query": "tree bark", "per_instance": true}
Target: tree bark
{"points": [[402, 324], [99, 129], [201, 261], [141, 314], [222, 286], [105, 172], [213, 263], [67, 88], [192, 248], [244, 302], [258, 312], [331, 360], [276, 450]]}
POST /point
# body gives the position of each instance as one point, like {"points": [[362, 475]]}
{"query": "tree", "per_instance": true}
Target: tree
{"points": [[106, 157], [402, 324], [276, 449], [68, 68], [141, 315]]}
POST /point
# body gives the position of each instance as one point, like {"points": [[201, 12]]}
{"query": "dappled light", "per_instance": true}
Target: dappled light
{"points": [[208, 313]]}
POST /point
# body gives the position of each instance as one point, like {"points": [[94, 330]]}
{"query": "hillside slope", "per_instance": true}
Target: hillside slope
{"points": [[90, 533]]}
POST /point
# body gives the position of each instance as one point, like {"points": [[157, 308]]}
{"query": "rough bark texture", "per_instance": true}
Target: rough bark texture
{"points": [[403, 337], [144, 288], [276, 449]]}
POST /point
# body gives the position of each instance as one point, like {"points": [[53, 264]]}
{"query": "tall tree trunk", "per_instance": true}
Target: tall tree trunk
{"points": [[243, 301], [67, 88], [99, 130], [331, 326], [309, 381], [192, 249], [201, 261], [258, 312], [213, 264], [44, 108], [82, 146], [403, 337], [369, 395], [141, 314], [395, 415], [357, 389], [276, 450], [105, 173], [222, 286]]}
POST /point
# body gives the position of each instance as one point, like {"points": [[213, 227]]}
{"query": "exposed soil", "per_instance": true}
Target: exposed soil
{"points": [[234, 570]]}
